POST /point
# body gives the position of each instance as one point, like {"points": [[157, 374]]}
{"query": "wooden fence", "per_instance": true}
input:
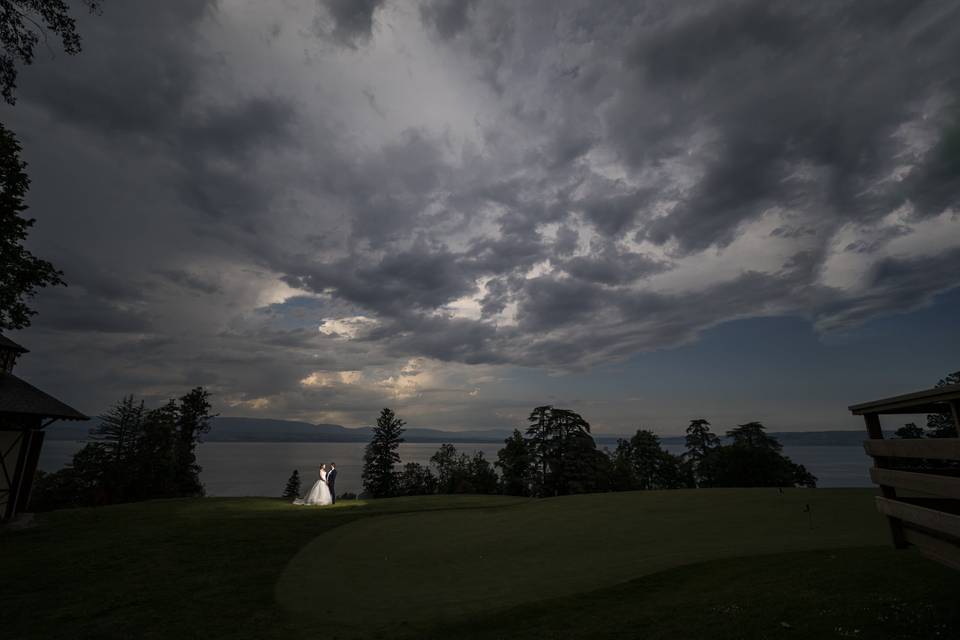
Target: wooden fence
{"points": [[919, 479]]}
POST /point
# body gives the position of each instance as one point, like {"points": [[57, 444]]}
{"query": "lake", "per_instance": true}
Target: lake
{"points": [[262, 468]]}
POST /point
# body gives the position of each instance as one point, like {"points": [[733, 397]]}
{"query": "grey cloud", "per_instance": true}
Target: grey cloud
{"points": [[496, 298], [76, 310], [352, 21], [448, 339], [448, 17], [676, 124], [935, 185], [612, 267], [134, 75], [237, 130], [566, 241], [693, 44], [548, 303], [191, 281], [615, 214], [898, 285], [418, 279], [778, 86]]}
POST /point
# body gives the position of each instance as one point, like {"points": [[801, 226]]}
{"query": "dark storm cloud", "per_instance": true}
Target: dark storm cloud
{"points": [[778, 86], [447, 339], [448, 17], [352, 21], [612, 267], [415, 280], [236, 130], [612, 215], [190, 281], [731, 109], [134, 76], [548, 303], [896, 285], [935, 186], [79, 311], [547, 184]]}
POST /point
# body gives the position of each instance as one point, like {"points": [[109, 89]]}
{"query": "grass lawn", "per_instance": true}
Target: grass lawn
{"points": [[679, 564]]}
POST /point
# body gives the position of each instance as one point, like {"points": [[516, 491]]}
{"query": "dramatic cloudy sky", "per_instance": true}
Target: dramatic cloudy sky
{"points": [[644, 211]]}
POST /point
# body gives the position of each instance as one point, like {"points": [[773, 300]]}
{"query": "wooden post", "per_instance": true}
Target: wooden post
{"points": [[875, 431]]}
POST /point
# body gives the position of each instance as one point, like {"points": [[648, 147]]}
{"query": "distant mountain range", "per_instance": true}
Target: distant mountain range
{"points": [[228, 429]]}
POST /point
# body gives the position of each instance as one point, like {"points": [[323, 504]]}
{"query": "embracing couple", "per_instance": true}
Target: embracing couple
{"points": [[323, 490]]}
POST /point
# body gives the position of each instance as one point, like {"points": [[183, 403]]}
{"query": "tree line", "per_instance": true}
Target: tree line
{"points": [[556, 455], [134, 454], [939, 425]]}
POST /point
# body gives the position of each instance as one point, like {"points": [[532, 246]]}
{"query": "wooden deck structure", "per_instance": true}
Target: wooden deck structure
{"points": [[919, 478]]}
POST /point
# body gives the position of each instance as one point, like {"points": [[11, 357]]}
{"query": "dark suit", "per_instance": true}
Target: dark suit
{"points": [[331, 481]]}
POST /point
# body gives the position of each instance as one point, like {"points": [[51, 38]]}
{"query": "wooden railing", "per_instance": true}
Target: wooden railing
{"points": [[919, 479]]}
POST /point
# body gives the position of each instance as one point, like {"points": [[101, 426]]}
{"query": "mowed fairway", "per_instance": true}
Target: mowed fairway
{"points": [[417, 569], [713, 564]]}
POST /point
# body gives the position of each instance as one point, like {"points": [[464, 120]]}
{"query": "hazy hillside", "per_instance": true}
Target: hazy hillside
{"points": [[228, 429], [836, 438]]}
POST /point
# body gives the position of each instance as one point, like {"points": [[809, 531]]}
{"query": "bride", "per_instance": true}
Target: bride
{"points": [[320, 493]]}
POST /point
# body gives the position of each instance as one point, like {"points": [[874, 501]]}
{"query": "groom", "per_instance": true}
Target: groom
{"points": [[331, 481]]}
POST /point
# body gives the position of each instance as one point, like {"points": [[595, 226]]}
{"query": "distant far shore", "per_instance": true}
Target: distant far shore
{"points": [[227, 429]]}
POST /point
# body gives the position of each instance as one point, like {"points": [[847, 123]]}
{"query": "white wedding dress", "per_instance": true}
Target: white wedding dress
{"points": [[319, 493]]}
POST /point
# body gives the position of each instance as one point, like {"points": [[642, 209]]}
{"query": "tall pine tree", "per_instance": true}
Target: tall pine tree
{"points": [[515, 464], [379, 458], [115, 442], [562, 452], [292, 490], [193, 420], [118, 429], [700, 442]]}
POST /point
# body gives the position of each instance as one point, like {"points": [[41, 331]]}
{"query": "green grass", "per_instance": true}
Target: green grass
{"points": [[685, 564]]}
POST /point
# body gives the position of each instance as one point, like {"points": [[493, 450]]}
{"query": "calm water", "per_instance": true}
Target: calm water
{"points": [[262, 468]]}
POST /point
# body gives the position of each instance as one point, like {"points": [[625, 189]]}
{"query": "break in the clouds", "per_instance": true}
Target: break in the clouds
{"points": [[316, 208]]}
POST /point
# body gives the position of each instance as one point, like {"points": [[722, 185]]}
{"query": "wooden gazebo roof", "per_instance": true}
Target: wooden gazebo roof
{"points": [[21, 398], [935, 400], [7, 343]]}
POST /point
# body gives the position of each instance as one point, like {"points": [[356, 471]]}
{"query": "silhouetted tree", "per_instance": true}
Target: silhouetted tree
{"points": [[564, 456], [193, 420], [700, 442], [539, 438], [941, 425], [155, 457], [641, 463], [292, 490], [754, 459], [449, 468], [908, 431], [116, 439], [380, 456], [754, 435], [481, 475], [58, 490], [416, 480], [134, 455], [586, 469], [23, 23], [21, 273], [118, 429], [515, 463], [460, 473]]}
